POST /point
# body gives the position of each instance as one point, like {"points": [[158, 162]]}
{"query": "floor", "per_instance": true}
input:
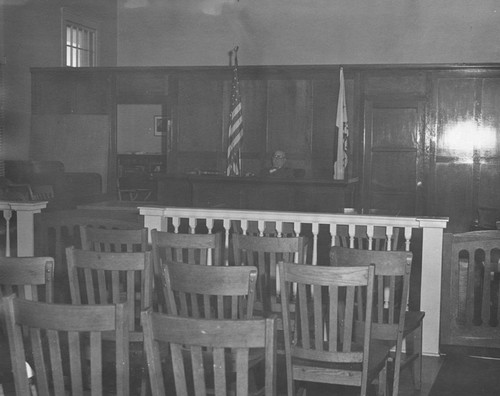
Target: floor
{"points": [[430, 368]]}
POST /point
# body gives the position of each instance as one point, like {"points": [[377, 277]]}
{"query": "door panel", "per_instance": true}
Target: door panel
{"points": [[393, 155]]}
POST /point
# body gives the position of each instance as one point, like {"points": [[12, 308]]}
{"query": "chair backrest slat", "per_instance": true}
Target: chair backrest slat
{"points": [[190, 338], [24, 276], [114, 240], [226, 292]]}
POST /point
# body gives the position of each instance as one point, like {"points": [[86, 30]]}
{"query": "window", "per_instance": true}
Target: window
{"points": [[80, 45], [79, 39]]}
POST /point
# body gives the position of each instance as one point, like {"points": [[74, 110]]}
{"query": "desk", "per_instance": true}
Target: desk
{"points": [[256, 193], [125, 206]]}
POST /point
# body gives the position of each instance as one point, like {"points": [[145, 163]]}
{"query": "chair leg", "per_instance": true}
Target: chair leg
{"points": [[382, 381], [414, 353], [417, 363]]}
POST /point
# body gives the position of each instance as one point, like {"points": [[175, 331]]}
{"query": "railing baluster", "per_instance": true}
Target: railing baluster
{"points": [[227, 227], [279, 228], [7, 215], [315, 230], [210, 225], [408, 232], [369, 231], [192, 225], [175, 222], [389, 232], [261, 226], [352, 233]]}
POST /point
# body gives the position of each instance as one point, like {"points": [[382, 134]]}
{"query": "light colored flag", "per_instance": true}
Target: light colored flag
{"points": [[342, 129], [235, 135]]}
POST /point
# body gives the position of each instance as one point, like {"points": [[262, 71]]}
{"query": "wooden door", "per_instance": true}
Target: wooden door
{"points": [[393, 155]]}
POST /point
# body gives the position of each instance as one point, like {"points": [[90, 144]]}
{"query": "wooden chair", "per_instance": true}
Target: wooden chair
{"points": [[98, 278], [188, 337], [55, 231], [265, 253], [324, 343], [471, 290], [202, 249], [210, 292], [113, 240], [110, 278], [392, 284], [54, 349], [30, 278], [26, 277]]}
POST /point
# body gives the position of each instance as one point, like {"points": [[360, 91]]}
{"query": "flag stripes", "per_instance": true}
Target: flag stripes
{"points": [[341, 159], [235, 134]]}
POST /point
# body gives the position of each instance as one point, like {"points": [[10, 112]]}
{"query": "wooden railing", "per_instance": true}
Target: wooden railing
{"points": [[421, 234], [24, 225]]}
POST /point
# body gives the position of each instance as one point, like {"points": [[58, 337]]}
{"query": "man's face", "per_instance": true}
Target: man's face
{"points": [[279, 159]]}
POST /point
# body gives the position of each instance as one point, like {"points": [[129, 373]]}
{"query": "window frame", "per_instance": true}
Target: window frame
{"points": [[71, 18]]}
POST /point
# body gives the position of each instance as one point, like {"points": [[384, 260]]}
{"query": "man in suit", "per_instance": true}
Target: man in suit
{"points": [[278, 168]]}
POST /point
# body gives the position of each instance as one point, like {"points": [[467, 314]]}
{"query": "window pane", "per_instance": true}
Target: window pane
{"points": [[68, 35], [80, 45]]}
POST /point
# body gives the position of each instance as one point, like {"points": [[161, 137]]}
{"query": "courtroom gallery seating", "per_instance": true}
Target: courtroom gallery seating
{"points": [[98, 278], [330, 340], [392, 283], [60, 334], [57, 230]]}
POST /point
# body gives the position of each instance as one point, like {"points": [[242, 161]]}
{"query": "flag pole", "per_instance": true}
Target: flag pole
{"points": [[235, 51]]}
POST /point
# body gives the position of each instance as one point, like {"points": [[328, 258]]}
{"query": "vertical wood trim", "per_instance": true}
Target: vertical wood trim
{"points": [[173, 86], [112, 179], [432, 249]]}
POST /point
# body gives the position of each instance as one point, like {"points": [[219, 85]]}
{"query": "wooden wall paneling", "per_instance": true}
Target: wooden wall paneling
{"points": [[142, 87], [254, 102], [456, 97], [488, 184], [393, 142], [111, 185], [454, 189], [429, 134], [53, 93], [91, 93], [289, 115], [396, 82], [325, 96], [199, 123], [171, 149]]}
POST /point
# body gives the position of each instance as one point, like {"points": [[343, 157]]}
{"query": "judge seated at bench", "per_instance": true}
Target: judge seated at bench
{"points": [[279, 168]]}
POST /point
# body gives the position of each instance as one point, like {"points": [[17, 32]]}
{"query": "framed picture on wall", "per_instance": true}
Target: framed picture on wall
{"points": [[162, 125]]}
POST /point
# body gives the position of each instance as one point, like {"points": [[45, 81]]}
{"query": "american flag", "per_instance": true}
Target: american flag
{"points": [[235, 134], [342, 128]]}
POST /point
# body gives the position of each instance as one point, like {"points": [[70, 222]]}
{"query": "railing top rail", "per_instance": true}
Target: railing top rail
{"points": [[301, 217], [23, 205]]}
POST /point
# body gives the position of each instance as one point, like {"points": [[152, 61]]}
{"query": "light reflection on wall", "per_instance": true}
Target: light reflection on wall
{"points": [[462, 138]]}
